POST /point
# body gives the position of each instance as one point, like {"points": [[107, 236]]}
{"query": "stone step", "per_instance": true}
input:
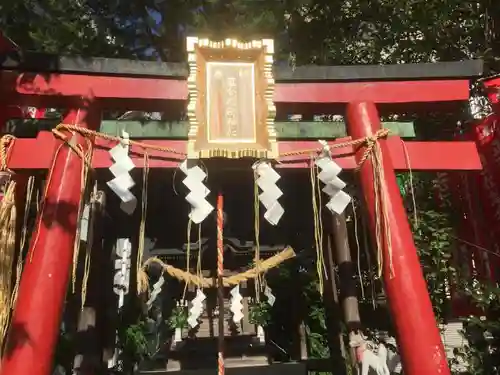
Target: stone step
{"points": [[211, 329], [232, 362], [235, 346], [235, 368], [209, 326]]}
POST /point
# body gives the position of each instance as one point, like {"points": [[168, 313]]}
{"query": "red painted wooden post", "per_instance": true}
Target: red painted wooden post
{"points": [[36, 320], [418, 337]]}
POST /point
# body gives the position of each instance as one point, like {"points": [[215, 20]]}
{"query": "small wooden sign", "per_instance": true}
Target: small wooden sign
{"points": [[231, 109]]}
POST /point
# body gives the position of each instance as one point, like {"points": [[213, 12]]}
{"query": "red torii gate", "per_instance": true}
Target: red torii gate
{"points": [[88, 86]]}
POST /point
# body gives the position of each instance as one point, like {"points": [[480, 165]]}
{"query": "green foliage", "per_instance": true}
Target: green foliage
{"points": [[133, 342], [315, 319], [59, 26], [309, 309], [432, 238], [432, 233], [317, 342], [388, 31], [259, 313], [482, 353], [178, 318], [306, 31]]}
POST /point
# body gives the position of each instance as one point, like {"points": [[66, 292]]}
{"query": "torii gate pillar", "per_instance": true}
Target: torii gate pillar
{"points": [[36, 320], [418, 337]]}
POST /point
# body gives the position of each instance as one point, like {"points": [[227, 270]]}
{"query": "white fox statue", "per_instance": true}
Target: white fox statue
{"points": [[367, 358]]}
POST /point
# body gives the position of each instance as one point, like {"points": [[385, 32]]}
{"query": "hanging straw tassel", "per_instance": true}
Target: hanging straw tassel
{"points": [[7, 238], [142, 276], [7, 255]]}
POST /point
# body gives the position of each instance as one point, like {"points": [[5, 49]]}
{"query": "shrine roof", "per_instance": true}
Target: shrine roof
{"points": [[46, 63]]}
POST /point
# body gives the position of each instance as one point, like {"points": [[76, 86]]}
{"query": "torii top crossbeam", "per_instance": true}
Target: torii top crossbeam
{"points": [[49, 81], [53, 81]]}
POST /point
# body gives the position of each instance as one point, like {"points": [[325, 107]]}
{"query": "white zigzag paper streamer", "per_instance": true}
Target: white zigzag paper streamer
{"points": [[268, 292], [270, 192], [200, 208], [122, 181], [236, 305], [122, 267], [156, 290], [196, 308], [121, 282], [333, 184]]}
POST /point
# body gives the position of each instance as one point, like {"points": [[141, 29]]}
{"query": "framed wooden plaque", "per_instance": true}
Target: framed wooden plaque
{"points": [[231, 109]]}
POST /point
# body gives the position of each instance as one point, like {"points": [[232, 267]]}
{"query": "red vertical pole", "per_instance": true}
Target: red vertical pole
{"points": [[36, 319], [220, 286], [418, 337]]}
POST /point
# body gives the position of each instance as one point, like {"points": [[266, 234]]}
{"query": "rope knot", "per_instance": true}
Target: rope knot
{"points": [[372, 139], [370, 143], [57, 131], [6, 143]]}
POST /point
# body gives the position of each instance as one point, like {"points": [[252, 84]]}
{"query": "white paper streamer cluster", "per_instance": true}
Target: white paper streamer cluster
{"points": [[270, 191], [236, 305], [121, 284], [200, 208], [196, 308], [333, 184], [156, 290], [121, 280], [268, 292], [122, 181]]}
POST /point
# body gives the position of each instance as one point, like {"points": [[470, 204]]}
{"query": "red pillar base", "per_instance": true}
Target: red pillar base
{"points": [[36, 320], [418, 337]]}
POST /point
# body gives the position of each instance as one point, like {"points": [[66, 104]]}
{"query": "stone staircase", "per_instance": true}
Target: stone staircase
{"points": [[197, 353], [273, 369], [200, 348], [209, 325]]}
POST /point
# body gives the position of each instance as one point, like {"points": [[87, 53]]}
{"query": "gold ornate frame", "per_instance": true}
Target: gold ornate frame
{"points": [[231, 109]]}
